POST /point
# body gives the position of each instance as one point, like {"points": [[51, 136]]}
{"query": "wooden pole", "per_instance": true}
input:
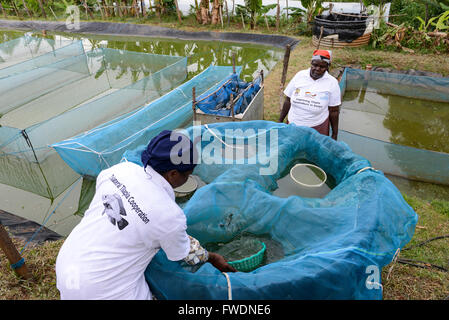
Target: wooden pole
{"points": [[284, 75], [232, 108], [321, 35], [194, 105], [233, 62], [12, 254]]}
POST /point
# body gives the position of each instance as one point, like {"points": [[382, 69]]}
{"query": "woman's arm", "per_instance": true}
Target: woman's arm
{"points": [[198, 254], [334, 115], [285, 109]]}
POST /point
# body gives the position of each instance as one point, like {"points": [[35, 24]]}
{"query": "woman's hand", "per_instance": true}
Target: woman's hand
{"points": [[220, 263]]}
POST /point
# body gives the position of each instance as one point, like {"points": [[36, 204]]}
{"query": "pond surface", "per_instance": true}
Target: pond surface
{"points": [[417, 123], [202, 54]]}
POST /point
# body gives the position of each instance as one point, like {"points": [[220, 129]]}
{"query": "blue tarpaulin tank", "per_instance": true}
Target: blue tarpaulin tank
{"points": [[335, 247]]}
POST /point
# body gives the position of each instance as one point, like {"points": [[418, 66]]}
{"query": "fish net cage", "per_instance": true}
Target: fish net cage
{"points": [[429, 118], [53, 97], [27, 47]]}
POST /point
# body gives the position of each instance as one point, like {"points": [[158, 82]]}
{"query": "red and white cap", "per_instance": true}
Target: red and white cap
{"points": [[323, 55]]}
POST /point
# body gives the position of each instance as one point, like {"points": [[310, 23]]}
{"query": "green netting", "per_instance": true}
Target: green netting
{"points": [[399, 122], [25, 48], [84, 92]]}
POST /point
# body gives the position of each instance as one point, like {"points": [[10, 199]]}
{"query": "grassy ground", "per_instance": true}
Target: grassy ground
{"points": [[400, 281]]}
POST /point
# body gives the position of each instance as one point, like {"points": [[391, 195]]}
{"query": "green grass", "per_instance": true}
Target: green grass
{"points": [[410, 282]]}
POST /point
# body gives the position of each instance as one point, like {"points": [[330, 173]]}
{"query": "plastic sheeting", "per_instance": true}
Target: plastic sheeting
{"points": [[218, 102], [97, 149], [395, 159], [335, 247]]}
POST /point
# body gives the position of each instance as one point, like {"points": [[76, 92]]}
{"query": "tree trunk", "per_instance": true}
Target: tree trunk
{"points": [[178, 12], [3, 10], [142, 7], [215, 12], [16, 10], [26, 8], [205, 14], [197, 12], [278, 13], [106, 10], [88, 10]]}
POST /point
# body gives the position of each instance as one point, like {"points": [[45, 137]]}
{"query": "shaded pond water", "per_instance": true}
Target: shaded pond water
{"points": [[252, 58], [243, 246], [417, 123]]}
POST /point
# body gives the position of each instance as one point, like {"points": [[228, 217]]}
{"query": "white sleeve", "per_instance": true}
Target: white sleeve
{"points": [[290, 88], [176, 244], [335, 96]]}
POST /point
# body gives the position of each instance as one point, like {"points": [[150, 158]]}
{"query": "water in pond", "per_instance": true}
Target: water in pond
{"points": [[245, 245], [201, 54], [287, 186], [404, 121]]}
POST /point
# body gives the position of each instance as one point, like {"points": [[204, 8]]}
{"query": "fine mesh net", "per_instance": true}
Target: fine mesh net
{"points": [[25, 48], [103, 146], [399, 122], [329, 244], [64, 98]]}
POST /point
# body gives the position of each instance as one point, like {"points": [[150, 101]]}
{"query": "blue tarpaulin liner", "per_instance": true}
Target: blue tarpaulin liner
{"points": [[335, 247], [217, 102]]}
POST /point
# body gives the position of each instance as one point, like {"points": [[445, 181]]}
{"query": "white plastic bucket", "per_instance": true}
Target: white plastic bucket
{"points": [[187, 188]]}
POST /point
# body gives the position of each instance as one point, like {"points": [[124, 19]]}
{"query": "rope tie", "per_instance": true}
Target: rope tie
{"points": [[366, 168], [18, 264], [229, 286], [395, 258]]}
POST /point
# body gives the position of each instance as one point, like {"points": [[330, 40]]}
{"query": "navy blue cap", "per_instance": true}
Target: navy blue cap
{"points": [[170, 150]]}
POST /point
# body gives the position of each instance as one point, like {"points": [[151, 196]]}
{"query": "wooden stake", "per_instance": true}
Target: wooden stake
{"points": [[12, 254], [194, 105], [232, 108], [284, 76], [321, 35], [233, 62]]}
